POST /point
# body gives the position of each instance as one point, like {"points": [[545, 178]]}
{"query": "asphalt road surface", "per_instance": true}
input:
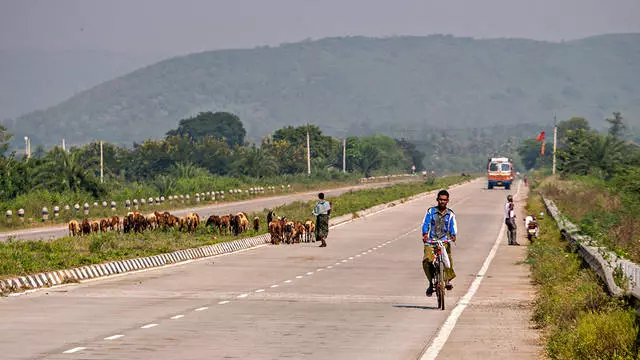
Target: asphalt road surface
{"points": [[251, 205], [362, 297]]}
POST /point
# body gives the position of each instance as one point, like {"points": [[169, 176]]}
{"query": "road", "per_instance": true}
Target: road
{"points": [[258, 204], [362, 297]]}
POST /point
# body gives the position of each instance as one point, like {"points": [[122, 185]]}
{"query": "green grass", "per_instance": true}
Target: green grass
{"points": [[579, 319], [28, 257], [33, 202]]}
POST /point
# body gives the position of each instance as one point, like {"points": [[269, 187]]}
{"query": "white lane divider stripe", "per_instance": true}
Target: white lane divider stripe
{"points": [[287, 281], [299, 277], [201, 308], [344, 261], [330, 267], [148, 326], [75, 349], [438, 342], [242, 296], [310, 273], [358, 255], [319, 269], [274, 286], [223, 302], [113, 337], [259, 290], [177, 317]]}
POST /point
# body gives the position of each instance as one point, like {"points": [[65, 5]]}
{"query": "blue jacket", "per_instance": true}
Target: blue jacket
{"points": [[429, 224]]}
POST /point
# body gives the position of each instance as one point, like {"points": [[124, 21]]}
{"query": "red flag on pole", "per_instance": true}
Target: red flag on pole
{"points": [[540, 137]]}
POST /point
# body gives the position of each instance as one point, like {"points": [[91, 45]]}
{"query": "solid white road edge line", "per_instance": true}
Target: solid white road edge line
{"points": [[443, 334]]}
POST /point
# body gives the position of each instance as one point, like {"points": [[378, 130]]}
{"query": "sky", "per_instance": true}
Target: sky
{"points": [[173, 27]]}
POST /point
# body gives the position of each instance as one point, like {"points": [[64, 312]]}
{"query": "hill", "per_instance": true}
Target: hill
{"points": [[400, 86]]}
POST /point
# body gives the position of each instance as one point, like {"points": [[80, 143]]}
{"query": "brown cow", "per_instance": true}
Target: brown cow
{"points": [[95, 226], [311, 229], [256, 223], [225, 223], [74, 228], [275, 230], [85, 227], [104, 225], [114, 223]]}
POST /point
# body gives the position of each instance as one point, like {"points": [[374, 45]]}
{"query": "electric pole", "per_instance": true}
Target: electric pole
{"points": [[344, 155], [101, 164], [555, 137], [308, 153]]}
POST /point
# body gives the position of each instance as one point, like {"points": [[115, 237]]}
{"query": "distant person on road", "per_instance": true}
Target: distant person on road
{"points": [[439, 224], [510, 221], [526, 180], [321, 211]]}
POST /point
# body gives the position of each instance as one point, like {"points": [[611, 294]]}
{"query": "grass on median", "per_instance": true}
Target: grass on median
{"points": [[579, 319], [19, 258]]}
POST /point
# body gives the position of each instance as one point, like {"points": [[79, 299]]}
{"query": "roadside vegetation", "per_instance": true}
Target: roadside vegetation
{"points": [[578, 318], [28, 257]]}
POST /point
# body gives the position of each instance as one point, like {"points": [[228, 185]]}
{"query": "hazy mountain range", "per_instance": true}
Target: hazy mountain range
{"points": [[400, 86]]}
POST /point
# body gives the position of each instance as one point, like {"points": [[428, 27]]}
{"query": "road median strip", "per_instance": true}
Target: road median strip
{"points": [[24, 283]]}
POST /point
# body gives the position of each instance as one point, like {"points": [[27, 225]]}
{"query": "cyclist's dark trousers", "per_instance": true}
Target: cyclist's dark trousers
{"points": [[511, 231], [427, 262]]}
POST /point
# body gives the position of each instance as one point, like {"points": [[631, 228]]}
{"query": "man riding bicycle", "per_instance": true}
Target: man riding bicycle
{"points": [[439, 224]]}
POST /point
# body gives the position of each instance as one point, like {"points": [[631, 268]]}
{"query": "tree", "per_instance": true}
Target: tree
{"points": [[412, 153], [220, 125], [589, 153], [369, 158], [529, 151], [63, 171], [573, 124], [617, 126], [5, 138], [254, 162]]}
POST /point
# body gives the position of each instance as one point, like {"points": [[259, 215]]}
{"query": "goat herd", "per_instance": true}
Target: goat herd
{"points": [[281, 229]]}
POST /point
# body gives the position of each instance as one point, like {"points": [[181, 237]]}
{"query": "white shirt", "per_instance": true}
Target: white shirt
{"points": [[508, 213], [527, 220]]}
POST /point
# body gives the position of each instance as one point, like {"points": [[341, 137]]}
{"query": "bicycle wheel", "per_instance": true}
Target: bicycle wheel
{"points": [[440, 288]]}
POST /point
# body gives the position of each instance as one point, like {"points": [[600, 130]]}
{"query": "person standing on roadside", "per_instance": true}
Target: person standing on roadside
{"points": [[510, 221], [321, 211]]}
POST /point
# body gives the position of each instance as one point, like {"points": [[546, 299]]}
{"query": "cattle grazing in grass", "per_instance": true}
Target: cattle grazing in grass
{"points": [[95, 226], [256, 223], [85, 227], [104, 225], [213, 221], [225, 223], [74, 228], [115, 223]]}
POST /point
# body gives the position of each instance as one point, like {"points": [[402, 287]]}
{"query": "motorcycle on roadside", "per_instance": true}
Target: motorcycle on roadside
{"points": [[531, 226]]}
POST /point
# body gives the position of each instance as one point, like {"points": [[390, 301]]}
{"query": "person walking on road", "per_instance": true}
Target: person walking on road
{"points": [[510, 221], [321, 211], [439, 224]]}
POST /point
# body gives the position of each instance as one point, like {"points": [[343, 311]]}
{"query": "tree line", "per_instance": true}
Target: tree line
{"points": [[204, 145]]}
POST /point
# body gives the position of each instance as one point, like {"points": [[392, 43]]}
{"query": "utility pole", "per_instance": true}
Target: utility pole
{"points": [[101, 164], [555, 137], [27, 147], [344, 155], [308, 153], [63, 147]]}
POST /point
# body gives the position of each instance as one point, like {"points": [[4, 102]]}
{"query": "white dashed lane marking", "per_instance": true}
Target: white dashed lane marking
{"points": [[274, 286], [242, 296], [310, 273], [223, 302], [201, 308], [177, 317], [76, 349], [287, 281], [113, 337], [148, 326], [259, 290]]}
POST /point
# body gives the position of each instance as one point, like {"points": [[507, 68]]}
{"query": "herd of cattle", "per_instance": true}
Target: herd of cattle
{"points": [[280, 228]]}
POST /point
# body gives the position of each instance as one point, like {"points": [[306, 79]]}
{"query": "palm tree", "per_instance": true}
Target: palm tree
{"points": [[63, 171]]}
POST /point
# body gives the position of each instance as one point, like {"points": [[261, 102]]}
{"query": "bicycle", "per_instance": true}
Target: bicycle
{"points": [[440, 262]]}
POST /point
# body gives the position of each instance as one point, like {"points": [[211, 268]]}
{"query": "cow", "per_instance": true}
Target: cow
{"points": [[151, 221], [114, 223], [214, 222], [85, 227], [311, 229], [225, 223], [74, 228], [275, 230], [95, 226], [256, 223], [104, 225]]}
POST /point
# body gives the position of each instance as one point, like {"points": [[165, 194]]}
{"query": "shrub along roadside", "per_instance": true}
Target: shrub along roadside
{"points": [[29, 257], [578, 318]]}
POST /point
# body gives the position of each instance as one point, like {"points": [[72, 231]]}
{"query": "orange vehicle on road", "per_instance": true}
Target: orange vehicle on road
{"points": [[500, 172]]}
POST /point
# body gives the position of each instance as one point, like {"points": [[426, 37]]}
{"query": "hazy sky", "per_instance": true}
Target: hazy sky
{"points": [[184, 26]]}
